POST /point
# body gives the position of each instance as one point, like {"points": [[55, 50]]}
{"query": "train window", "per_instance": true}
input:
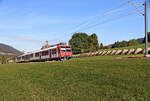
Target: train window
{"points": [[50, 51], [68, 49], [23, 57], [63, 49], [53, 51], [45, 53], [31, 56], [28, 56], [18, 58], [37, 54]]}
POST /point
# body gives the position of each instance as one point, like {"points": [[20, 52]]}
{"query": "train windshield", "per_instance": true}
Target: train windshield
{"points": [[68, 49], [65, 49]]}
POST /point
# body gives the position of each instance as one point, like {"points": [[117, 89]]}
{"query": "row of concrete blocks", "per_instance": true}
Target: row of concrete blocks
{"points": [[113, 52]]}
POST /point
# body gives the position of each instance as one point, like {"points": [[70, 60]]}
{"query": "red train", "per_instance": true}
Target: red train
{"points": [[55, 52]]}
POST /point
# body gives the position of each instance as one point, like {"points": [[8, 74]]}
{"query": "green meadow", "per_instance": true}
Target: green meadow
{"points": [[100, 78]]}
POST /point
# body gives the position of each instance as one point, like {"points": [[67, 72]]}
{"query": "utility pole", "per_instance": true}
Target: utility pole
{"points": [[146, 36], [146, 24]]}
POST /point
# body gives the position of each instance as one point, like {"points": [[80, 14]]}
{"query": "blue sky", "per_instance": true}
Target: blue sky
{"points": [[27, 24]]}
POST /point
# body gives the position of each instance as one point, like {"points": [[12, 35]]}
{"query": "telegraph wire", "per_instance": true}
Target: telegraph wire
{"points": [[104, 22], [101, 23], [104, 14], [89, 26], [87, 22]]}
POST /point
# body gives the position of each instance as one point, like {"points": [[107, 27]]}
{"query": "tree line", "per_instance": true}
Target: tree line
{"points": [[120, 44], [124, 43], [131, 42], [82, 43]]}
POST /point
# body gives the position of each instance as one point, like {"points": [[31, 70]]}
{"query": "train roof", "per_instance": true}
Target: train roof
{"points": [[41, 50], [36, 51]]}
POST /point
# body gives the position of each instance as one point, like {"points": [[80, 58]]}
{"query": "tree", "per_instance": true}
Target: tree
{"points": [[96, 44], [107, 47], [79, 43], [148, 36], [120, 44], [4, 59], [82, 43], [148, 33], [101, 46], [124, 44], [90, 44], [93, 42]]}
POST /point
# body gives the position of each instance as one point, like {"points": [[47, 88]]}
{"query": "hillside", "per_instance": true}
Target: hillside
{"points": [[129, 47], [8, 50]]}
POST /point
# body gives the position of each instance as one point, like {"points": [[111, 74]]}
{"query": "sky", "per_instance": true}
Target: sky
{"points": [[27, 24]]}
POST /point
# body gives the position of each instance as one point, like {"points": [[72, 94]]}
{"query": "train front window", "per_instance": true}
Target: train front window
{"points": [[63, 49], [68, 49]]}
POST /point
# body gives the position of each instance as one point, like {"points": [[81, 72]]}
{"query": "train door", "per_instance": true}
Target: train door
{"points": [[58, 51], [50, 54], [40, 56]]}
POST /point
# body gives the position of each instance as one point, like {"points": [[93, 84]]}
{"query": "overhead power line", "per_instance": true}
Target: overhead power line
{"points": [[104, 22], [101, 15], [134, 4], [88, 25], [87, 22]]}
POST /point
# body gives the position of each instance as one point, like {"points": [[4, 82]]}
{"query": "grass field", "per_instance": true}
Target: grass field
{"points": [[97, 78], [129, 47]]}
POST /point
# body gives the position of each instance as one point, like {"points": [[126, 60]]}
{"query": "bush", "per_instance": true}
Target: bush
{"points": [[3, 60], [107, 47], [125, 43], [120, 44], [133, 42], [101, 46]]}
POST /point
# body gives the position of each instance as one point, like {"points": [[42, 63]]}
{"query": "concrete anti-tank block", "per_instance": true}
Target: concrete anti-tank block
{"points": [[144, 50], [104, 52], [108, 52], [99, 53], [113, 52], [118, 52], [138, 50], [131, 51], [125, 51], [96, 53]]}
